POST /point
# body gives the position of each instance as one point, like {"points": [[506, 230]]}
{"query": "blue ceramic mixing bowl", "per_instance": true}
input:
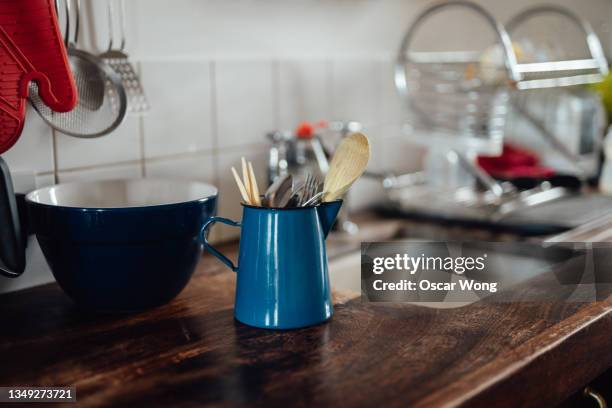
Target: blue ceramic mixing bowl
{"points": [[121, 245]]}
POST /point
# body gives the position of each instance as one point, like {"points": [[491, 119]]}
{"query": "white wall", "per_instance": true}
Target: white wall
{"points": [[221, 73], [295, 28]]}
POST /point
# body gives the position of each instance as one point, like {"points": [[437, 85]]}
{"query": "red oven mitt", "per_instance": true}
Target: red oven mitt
{"points": [[31, 49]]}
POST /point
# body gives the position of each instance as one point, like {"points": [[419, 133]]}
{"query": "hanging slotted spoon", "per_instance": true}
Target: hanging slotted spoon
{"points": [[118, 60]]}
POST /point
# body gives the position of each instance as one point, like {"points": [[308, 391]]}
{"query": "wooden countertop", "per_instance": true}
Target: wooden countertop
{"points": [[192, 352]]}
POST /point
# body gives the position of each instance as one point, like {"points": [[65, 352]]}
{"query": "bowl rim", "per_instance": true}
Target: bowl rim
{"points": [[214, 194]]}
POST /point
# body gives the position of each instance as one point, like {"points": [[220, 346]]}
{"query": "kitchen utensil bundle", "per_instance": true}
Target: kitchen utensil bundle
{"points": [[283, 193], [31, 49], [102, 101], [283, 280], [293, 194], [348, 164], [119, 61], [311, 188]]}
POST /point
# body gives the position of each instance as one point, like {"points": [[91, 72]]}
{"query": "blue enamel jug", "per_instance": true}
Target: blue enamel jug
{"points": [[283, 281]]}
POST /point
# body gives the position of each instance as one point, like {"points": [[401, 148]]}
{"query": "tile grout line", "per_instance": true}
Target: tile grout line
{"points": [[141, 131], [276, 92], [214, 125], [214, 128], [143, 168], [101, 166], [54, 154], [329, 81], [192, 154]]}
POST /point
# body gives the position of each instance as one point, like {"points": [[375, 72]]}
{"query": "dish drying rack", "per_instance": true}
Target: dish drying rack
{"points": [[457, 103]]}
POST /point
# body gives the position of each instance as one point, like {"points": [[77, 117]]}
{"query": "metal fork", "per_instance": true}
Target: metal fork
{"points": [[311, 188]]}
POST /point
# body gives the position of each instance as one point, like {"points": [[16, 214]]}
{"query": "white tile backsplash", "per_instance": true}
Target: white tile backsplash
{"points": [[24, 181], [305, 28], [180, 119], [44, 180], [304, 92], [34, 149], [101, 173], [399, 154], [122, 145], [356, 90], [199, 167], [245, 101], [392, 107]]}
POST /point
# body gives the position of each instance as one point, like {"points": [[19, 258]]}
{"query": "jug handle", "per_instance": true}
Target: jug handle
{"points": [[12, 248], [212, 249]]}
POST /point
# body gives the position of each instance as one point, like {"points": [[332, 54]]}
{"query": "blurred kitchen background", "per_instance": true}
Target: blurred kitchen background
{"points": [[221, 74]]}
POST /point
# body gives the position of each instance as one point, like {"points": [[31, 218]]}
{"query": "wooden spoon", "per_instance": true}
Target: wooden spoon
{"points": [[348, 164], [254, 187], [247, 181], [241, 187]]}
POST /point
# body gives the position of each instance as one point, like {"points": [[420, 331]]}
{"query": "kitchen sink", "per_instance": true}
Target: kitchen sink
{"points": [[514, 263], [345, 276]]}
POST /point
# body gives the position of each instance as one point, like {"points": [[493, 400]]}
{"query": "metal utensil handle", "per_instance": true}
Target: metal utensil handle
{"points": [[57, 12], [314, 199], [212, 249], [67, 23], [122, 24], [110, 14], [591, 37], [77, 23], [120, 14], [503, 38]]}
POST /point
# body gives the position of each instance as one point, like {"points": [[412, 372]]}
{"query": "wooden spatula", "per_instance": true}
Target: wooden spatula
{"points": [[348, 164]]}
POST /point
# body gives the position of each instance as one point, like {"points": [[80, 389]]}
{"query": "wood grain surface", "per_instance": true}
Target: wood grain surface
{"points": [[192, 352]]}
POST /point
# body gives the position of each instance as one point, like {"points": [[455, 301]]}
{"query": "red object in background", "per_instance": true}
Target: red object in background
{"points": [[31, 49], [515, 162], [305, 130]]}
